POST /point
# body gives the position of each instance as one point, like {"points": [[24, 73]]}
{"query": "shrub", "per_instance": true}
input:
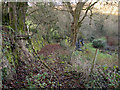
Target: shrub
{"points": [[98, 43]]}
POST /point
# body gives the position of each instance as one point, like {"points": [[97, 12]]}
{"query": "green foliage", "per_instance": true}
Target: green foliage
{"points": [[4, 72], [7, 50], [37, 41], [104, 77], [64, 58], [39, 80], [65, 43], [102, 58], [89, 47], [75, 53], [5, 19], [99, 43], [46, 29], [54, 35]]}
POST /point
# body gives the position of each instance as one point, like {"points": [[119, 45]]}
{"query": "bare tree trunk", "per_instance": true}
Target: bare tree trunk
{"points": [[74, 33], [76, 24]]}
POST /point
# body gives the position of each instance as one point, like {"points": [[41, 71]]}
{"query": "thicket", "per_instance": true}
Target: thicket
{"points": [[61, 67]]}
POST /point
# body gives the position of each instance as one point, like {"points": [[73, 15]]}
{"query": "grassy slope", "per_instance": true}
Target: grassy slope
{"points": [[102, 58]]}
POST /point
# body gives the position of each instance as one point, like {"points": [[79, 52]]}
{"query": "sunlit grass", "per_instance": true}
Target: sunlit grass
{"points": [[82, 61], [102, 58]]}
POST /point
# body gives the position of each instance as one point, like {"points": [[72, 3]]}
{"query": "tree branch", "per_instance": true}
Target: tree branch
{"points": [[33, 11], [61, 10], [88, 8], [78, 10], [79, 6], [70, 9], [90, 16]]}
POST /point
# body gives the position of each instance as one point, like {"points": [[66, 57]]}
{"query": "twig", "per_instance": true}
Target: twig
{"points": [[89, 7]]}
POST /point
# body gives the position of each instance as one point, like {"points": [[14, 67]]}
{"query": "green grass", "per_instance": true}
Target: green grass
{"points": [[82, 61], [102, 58]]}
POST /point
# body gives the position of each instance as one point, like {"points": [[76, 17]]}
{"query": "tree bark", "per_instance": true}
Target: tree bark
{"points": [[76, 15], [76, 23], [16, 13]]}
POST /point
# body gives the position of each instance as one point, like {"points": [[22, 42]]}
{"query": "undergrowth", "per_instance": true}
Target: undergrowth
{"points": [[64, 75]]}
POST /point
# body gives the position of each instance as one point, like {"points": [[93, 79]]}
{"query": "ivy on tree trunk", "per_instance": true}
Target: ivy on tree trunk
{"points": [[12, 27]]}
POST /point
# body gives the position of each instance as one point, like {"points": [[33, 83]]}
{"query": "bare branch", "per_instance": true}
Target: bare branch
{"points": [[78, 9], [88, 8], [61, 10], [33, 11], [70, 8], [79, 6], [90, 16]]}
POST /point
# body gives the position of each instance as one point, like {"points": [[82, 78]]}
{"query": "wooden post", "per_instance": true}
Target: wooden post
{"points": [[94, 60]]}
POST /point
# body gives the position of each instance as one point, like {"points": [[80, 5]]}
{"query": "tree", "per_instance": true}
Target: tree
{"points": [[77, 18], [76, 23], [14, 32], [15, 35], [75, 12]]}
